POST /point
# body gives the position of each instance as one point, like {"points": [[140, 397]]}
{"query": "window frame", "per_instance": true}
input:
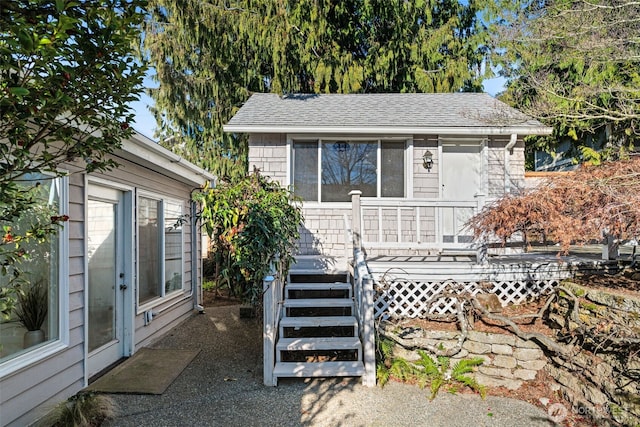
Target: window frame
{"points": [[163, 296], [41, 352], [406, 140]]}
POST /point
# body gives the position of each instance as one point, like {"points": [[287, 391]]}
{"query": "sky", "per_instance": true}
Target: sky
{"points": [[146, 124], [144, 121]]}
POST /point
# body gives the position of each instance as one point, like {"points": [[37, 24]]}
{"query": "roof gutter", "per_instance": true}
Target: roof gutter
{"points": [[437, 130], [512, 143], [144, 148]]}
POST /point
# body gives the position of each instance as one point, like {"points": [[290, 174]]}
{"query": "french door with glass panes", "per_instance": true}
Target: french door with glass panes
{"points": [[108, 219]]}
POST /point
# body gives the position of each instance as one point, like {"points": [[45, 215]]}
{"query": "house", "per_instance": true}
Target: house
{"points": [[124, 269], [393, 177], [429, 161]]}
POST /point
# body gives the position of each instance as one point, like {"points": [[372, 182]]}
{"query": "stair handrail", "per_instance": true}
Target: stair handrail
{"points": [[272, 299], [364, 299]]}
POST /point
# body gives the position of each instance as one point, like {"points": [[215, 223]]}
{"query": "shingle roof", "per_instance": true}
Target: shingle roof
{"points": [[397, 113]]}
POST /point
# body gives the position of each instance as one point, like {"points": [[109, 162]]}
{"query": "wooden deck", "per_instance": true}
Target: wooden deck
{"points": [[537, 265]]}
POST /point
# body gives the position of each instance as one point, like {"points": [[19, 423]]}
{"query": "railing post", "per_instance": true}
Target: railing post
{"points": [[365, 298], [356, 226], [269, 332], [610, 247], [481, 253], [368, 333]]}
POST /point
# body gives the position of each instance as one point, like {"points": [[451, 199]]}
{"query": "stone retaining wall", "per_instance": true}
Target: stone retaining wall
{"points": [[601, 380], [508, 360]]}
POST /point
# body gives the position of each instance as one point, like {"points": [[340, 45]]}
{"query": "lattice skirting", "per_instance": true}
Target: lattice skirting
{"points": [[406, 298]]}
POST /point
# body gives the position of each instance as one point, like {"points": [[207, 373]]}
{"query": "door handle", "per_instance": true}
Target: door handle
{"points": [[123, 287]]}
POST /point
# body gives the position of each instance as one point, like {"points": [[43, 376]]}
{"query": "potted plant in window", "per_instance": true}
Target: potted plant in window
{"points": [[31, 311]]}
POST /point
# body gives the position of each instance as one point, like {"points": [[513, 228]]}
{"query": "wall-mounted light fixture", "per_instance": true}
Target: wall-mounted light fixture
{"points": [[427, 160]]}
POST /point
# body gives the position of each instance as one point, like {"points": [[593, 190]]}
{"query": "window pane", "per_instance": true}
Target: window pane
{"points": [[35, 320], [305, 170], [102, 272], [148, 249], [392, 169], [172, 247], [348, 166]]}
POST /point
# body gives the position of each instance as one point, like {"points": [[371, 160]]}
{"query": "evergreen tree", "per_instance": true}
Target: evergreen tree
{"points": [[210, 55], [574, 64]]}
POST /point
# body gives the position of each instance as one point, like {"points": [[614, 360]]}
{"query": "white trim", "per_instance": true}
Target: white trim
{"points": [[319, 176], [125, 319], [305, 137], [144, 148], [31, 358], [484, 174], [63, 288], [408, 161], [129, 309], [106, 183], [392, 130], [379, 168], [440, 187], [85, 281], [289, 163], [407, 142]]}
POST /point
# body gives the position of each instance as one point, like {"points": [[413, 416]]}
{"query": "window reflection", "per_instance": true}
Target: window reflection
{"points": [[348, 166], [336, 167], [36, 318]]}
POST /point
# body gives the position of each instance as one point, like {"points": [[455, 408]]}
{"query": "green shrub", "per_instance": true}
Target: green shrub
{"points": [[252, 223], [208, 285]]}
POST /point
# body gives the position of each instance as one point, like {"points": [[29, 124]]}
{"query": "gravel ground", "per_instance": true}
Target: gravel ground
{"points": [[223, 387]]}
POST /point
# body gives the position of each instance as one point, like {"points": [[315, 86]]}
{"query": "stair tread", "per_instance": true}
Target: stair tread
{"points": [[318, 302], [319, 286], [318, 321], [319, 369], [319, 343]]}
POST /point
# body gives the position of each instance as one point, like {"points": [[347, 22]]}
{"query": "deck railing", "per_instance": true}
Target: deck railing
{"points": [[364, 300], [412, 223], [272, 298]]}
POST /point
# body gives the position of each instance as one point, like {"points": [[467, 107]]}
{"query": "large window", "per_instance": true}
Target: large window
{"points": [[160, 248], [327, 171], [35, 320]]}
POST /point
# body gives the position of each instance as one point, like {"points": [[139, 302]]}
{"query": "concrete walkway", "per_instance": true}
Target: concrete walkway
{"points": [[223, 387]]}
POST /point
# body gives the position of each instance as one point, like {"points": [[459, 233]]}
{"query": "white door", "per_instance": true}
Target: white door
{"points": [[107, 285], [461, 181]]}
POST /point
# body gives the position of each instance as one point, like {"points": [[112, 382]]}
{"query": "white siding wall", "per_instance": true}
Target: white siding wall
{"points": [[27, 394]]}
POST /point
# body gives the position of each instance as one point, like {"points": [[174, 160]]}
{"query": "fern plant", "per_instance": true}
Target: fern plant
{"points": [[426, 371], [466, 366], [384, 360]]}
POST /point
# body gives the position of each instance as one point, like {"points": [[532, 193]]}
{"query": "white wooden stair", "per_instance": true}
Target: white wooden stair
{"points": [[318, 334], [319, 369], [310, 288]]}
